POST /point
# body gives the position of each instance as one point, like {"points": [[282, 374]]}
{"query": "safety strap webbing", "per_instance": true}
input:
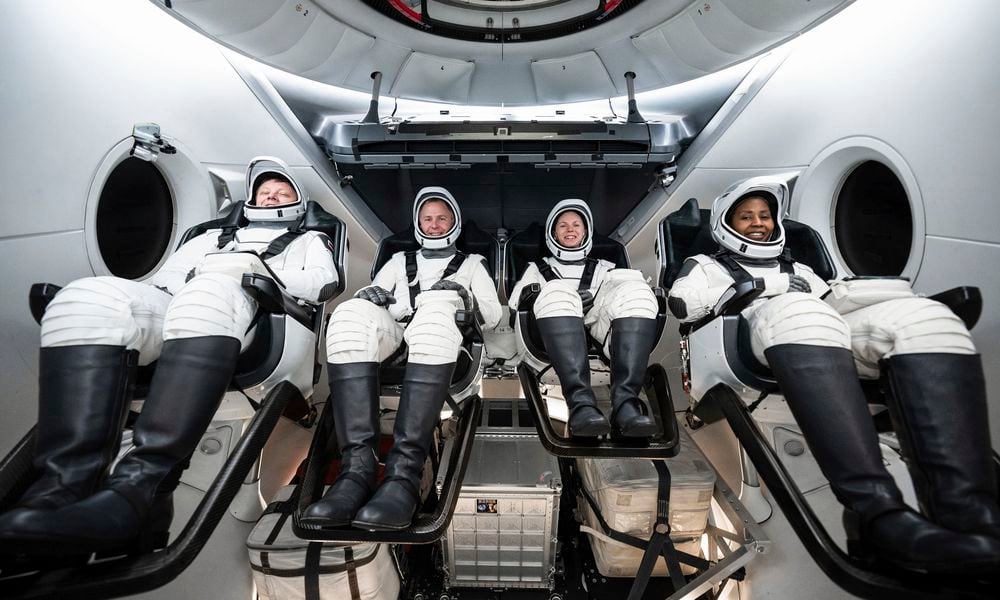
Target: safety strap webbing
{"points": [[740, 274], [413, 281], [585, 278]]}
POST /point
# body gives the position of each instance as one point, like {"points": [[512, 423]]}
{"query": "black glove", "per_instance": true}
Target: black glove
{"points": [[588, 300], [376, 295], [798, 283], [447, 284]]}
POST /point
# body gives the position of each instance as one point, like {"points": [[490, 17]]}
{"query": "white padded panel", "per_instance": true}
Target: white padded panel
{"points": [[227, 17], [691, 46], [348, 51], [278, 33], [429, 77], [728, 32], [661, 54], [502, 82], [621, 57], [571, 78], [382, 56], [314, 48], [781, 16]]}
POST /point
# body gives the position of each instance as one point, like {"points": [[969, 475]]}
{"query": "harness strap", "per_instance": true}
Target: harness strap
{"points": [[227, 235], [585, 278], [413, 282], [739, 274]]}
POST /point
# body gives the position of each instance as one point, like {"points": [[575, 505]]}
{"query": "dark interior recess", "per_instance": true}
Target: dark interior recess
{"points": [[507, 195], [874, 221], [135, 218]]}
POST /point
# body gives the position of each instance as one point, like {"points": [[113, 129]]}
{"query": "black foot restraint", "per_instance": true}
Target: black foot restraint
{"points": [[427, 527], [663, 444]]}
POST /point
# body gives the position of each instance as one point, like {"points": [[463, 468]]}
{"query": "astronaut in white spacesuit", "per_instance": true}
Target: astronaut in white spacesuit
{"points": [[192, 317], [413, 298], [816, 350], [580, 294]]}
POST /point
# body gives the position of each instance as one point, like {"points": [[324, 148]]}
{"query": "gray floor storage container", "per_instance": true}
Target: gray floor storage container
{"points": [[504, 529]]}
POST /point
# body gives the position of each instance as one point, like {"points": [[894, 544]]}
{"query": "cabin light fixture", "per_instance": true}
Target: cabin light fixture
{"points": [[148, 144]]}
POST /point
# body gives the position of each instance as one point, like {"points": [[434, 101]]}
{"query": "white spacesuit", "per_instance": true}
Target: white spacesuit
{"points": [[413, 298], [616, 306], [192, 317], [816, 350]]}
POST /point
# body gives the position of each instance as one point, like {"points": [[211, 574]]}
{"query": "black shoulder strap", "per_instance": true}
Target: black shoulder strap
{"points": [[454, 265], [227, 235], [412, 281], [278, 244], [736, 271], [786, 263], [588, 274], [546, 271]]}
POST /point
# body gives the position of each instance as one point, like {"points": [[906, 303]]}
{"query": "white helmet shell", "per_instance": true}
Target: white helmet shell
{"points": [[442, 241], [772, 188], [558, 250], [257, 172]]}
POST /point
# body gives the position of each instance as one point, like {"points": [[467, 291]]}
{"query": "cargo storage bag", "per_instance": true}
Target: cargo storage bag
{"points": [[621, 505], [288, 568]]}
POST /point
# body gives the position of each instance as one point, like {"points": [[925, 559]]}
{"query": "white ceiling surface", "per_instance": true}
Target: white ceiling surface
{"points": [[340, 42]]}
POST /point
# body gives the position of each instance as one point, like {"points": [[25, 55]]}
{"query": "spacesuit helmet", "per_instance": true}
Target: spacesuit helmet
{"points": [[774, 190], [437, 242], [558, 250], [264, 168]]}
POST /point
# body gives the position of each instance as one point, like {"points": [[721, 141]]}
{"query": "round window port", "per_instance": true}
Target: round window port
{"points": [[874, 221], [135, 218]]}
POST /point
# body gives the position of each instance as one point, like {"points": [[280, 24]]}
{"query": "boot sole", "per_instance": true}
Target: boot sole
{"points": [[378, 526], [590, 431]]}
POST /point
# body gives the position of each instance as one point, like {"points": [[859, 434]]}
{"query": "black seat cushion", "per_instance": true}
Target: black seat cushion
{"points": [[687, 232], [528, 246]]}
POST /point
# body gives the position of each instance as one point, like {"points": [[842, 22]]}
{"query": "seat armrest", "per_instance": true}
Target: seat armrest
{"points": [[528, 295], [39, 297], [272, 298], [732, 302], [661, 310], [527, 300], [738, 297], [470, 323], [965, 301]]}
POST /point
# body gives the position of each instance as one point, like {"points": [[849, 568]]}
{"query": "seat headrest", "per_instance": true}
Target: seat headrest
{"points": [[528, 246], [686, 232], [472, 241]]}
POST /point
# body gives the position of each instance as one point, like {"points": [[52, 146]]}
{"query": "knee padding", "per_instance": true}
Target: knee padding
{"points": [[558, 298], [631, 298], [909, 326], [796, 318], [211, 304], [432, 336], [93, 310], [359, 331]]}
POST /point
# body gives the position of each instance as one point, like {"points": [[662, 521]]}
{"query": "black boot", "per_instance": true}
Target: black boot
{"points": [[632, 339], [821, 387], [938, 401], [132, 511], [354, 402], [83, 395], [423, 395], [566, 344]]}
